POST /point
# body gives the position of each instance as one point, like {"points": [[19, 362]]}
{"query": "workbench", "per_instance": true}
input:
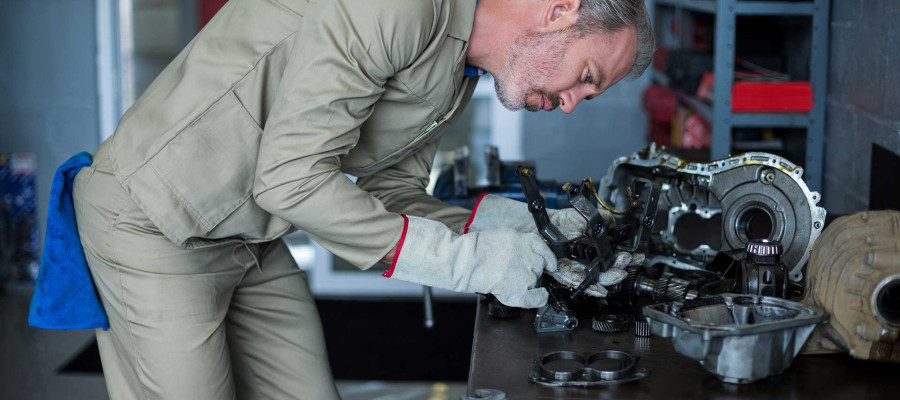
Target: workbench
{"points": [[503, 353]]}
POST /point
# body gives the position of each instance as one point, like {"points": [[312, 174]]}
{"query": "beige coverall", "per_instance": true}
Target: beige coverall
{"points": [[243, 138]]}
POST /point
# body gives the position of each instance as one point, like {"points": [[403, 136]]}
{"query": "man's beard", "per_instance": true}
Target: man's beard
{"points": [[533, 59]]}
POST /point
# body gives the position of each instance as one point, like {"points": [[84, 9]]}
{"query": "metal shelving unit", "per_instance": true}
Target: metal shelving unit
{"points": [[722, 118]]}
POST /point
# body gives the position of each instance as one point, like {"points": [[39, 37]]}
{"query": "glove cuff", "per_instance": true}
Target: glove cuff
{"points": [[390, 271], [474, 210]]}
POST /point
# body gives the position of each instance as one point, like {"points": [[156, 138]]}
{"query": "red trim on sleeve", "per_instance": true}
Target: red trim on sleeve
{"points": [[390, 271], [474, 209]]}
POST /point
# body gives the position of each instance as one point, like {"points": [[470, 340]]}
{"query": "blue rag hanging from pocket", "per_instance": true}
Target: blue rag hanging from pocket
{"points": [[64, 294]]}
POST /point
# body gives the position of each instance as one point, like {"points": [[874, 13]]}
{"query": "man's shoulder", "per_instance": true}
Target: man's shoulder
{"points": [[400, 8]]}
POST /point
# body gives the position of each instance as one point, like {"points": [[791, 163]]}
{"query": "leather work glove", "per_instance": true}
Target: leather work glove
{"points": [[492, 212], [502, 262], [572, 273]]}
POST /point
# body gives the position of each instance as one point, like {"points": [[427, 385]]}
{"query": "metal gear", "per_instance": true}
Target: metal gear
{"points": [[669, 288], [610, 323], [764, 250]]}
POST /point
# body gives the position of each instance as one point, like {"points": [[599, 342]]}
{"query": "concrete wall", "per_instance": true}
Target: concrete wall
{"points": [[48, 83], [863, 97]]}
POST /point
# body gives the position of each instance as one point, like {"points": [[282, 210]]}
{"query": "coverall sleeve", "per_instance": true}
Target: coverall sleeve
{"points": [[341, 58], [401, 188]]}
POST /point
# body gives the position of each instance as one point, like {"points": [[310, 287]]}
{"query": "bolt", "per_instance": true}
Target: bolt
{"points": [[537, 204], [648, 222], [817, 225], [768, 176]]}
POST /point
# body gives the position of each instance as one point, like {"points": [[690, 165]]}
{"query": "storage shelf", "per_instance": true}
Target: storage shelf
{"points": [[707, 6], [746, 7], [719, 114], [738, 120]]}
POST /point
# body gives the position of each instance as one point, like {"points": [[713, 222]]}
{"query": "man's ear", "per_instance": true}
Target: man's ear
{"points": [[559, 14]]}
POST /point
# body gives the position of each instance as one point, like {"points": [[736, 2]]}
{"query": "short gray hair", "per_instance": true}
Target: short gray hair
{"points": [[614, 15]]}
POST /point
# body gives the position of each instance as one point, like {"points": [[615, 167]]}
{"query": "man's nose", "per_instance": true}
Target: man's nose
{"points": [[569, 99]]}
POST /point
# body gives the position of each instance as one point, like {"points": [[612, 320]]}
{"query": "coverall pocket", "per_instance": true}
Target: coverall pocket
{"points": [[168, 298]]}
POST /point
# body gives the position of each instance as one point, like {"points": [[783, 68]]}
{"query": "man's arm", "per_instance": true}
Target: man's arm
{"points": [[401, 187], [342, 56]]}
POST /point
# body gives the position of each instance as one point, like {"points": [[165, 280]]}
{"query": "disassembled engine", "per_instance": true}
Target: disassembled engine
{"points": [[726, 244], [705, 209]]}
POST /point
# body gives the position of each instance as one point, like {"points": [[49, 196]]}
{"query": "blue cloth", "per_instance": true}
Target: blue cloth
{"points": [[64, 295]]}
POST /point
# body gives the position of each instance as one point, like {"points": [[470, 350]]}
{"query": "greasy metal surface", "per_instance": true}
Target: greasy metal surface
{"points": [[739, 338], [503, 353]]}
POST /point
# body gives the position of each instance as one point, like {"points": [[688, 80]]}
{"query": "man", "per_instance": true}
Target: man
{"points": [[247, 136]]}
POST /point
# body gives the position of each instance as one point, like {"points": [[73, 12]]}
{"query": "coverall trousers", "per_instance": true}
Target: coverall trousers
{"points": [[223, 322]]}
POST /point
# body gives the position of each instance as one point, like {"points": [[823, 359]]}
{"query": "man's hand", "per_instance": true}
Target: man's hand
{"points": [[571, 273], [492, 212], [502, 262]]}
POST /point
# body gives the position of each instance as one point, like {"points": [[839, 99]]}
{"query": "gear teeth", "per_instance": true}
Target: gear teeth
{"points": [[641, 327], [498, 310], [631, 275], [669, 288], [611, 323]]}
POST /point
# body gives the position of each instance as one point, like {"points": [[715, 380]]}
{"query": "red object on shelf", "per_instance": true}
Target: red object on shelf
{"points": [[771, 97], [659, 102], [705, 91]]}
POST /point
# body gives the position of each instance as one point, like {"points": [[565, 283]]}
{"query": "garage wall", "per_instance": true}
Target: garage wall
{"points": [[571, 147], [48, 83], [863, 97]]}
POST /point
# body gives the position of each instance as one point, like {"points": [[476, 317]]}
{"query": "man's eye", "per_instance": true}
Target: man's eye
{"points": [[589, 78]]}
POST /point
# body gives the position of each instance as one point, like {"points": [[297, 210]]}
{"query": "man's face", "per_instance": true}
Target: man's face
{"points": [[557, 69]]}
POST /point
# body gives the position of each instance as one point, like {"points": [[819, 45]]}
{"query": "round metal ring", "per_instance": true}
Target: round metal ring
{"points": [[561, 376], [625, 371]]}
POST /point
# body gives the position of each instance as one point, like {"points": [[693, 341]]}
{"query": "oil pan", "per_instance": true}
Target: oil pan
{"points": [[739, 338]]}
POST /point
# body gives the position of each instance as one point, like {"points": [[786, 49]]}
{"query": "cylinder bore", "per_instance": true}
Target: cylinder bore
{"points": [[887, 301]]}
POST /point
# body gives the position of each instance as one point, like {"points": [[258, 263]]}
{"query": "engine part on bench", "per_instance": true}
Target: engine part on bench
{"points": [[854, 275], [642, 327], [594, 248], [555, 316], [498, 310], [761, 272], [739, 338], [610, 323], [707, 208], [485, 394], [667, 288], [589, 372]]}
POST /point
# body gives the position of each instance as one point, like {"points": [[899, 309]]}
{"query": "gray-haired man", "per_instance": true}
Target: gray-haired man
{"points": [[247, 136]]}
